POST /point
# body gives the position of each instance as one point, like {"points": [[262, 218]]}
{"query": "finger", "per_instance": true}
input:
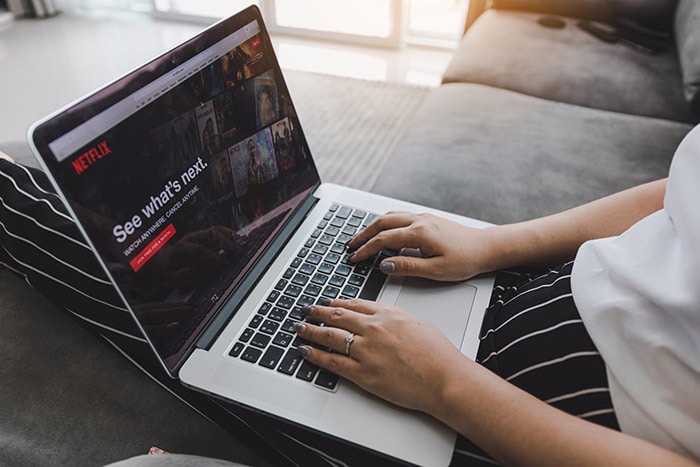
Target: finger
{"points": [[388, 221], [327, 337], [413, 266], [388, 240], [336, 316], [341, 365]]}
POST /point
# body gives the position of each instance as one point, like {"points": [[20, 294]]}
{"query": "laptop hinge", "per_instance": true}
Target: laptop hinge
{"points": [[230, 307]]}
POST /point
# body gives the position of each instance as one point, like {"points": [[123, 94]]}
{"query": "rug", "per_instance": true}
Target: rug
{"points": [[352, 126]]}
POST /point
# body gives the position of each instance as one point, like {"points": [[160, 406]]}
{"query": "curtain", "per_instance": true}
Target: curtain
{"points": [[32, 8]]}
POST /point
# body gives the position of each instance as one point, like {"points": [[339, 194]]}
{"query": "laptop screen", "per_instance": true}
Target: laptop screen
{"points": [[181, 173]]}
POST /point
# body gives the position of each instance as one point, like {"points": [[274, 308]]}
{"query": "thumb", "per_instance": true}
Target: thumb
{"points": [[409, 266]]}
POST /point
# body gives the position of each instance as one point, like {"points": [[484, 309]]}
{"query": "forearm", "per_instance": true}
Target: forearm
{"points": [[518, 429], [556, 238]]}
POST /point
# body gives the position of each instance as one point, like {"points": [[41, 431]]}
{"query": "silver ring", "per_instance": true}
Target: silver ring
{"points": [[348, 340]]}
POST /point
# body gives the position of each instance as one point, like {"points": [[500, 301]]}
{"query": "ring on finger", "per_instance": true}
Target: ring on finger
{"points": [[348, 341]]}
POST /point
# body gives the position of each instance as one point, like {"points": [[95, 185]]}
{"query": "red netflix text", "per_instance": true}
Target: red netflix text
{"points": [[85, 160]]}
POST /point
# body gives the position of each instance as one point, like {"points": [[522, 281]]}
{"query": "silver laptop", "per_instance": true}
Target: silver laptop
{"points": [[192, 179]]}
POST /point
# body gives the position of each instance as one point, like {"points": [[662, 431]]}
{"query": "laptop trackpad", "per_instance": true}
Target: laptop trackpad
{"points": [[446, 305]]}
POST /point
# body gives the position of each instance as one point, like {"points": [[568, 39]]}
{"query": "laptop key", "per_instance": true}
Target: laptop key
{"points": [[351, 291], [236, 349], [344, 212], [305, 300], [293, 290], [260, 340], [296, 313], [330, 291], [300, 279], [312, 289], [271, 357], [269, 327], [282, 339], [326, 379], [274, 295], [288, 325], [356, 280], [337, 280], [307, 371], [277, 314], [264, 308], [247, 334], [374, 285], [285, 302], [251, 354], [290, 362], [319, 279], [255, 321]]}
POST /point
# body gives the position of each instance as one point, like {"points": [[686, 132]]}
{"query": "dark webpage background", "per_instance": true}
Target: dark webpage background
{"points": [[209, 160]]}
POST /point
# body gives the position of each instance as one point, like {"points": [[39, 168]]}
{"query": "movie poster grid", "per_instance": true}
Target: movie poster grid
{"points": [[241, 124]]}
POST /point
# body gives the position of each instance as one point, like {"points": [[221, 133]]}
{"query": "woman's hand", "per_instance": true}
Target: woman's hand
{"points": [[448, 250], [394, 355]]}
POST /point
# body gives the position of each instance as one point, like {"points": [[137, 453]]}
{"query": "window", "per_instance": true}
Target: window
{"points": [[390, 23]]}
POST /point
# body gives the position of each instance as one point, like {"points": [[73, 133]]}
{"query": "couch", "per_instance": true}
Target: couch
{"points": [[530, 119]]}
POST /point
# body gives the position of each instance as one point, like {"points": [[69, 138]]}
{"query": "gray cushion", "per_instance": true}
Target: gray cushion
{"points": [[509, 49], [687, 30], [657, 14], [67, 398], [504, 157]]}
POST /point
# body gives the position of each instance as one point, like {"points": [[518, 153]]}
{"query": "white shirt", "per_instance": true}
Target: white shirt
{"points": [[639, 297]]}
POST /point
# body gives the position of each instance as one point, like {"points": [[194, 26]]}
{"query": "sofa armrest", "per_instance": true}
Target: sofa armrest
{"points": [[654, 14], [476, 8], [592, 9]]}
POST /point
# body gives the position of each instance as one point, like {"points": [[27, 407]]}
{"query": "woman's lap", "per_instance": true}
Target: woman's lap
{"points": [[533, 337]]}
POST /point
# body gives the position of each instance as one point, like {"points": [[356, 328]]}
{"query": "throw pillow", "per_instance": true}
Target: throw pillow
{"points": [[687, 30], [653, 14]]}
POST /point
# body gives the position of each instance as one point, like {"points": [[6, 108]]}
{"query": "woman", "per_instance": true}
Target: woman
{"points": [[551, 403]]}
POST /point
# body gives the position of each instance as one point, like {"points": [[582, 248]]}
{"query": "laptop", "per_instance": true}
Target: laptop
{"points": [[192, 180]]}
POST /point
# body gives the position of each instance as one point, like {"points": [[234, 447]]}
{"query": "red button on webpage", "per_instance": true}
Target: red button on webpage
{"points": [[152, 248]]}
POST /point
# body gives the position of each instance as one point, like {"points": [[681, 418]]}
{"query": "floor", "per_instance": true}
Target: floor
{"points": [[47, 63]]}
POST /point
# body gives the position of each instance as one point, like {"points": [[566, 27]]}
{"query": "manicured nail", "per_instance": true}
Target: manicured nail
{"points": [[299, 327], [324, 301], [387, 267], [304, 350], [306, 310]]}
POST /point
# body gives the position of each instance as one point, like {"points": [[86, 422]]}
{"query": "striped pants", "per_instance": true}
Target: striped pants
{"points": [[532, 335]]}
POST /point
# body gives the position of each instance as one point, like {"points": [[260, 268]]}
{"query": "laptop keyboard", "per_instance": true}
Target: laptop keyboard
{"points": [[321, 268]]}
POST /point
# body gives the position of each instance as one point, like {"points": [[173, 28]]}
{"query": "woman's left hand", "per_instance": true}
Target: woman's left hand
{"points": [[394, 355]]}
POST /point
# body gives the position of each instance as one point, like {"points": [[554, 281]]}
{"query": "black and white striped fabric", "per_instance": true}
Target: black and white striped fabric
{"points": [[532, 335]]}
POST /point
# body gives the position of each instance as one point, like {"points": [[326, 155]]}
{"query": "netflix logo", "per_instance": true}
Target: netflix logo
{"points": [[85, 160]]}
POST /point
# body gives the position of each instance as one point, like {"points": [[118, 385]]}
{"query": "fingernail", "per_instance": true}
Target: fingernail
{"points": [[324, 301], [306, 310], [299, 327], [387, 267], [304, 350]]}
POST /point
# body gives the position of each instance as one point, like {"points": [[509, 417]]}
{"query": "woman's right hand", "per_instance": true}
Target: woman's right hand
{"points": [[448, 251]]}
